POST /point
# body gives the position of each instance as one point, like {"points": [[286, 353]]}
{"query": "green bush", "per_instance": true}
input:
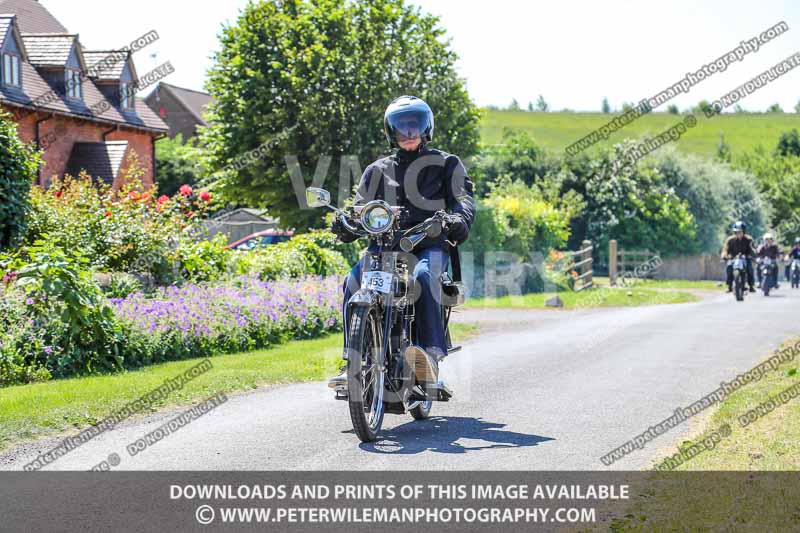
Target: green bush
{"points": [[204, 260], [127, 231], [18, 166], [298, 257], [716, 195], [76, 330]]}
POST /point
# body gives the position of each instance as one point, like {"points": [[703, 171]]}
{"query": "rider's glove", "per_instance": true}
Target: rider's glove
{"points": [[457, 229], [338, 229]]}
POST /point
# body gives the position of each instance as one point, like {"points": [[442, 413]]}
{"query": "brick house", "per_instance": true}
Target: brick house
{"points": [[75, 104], [181, 109]]}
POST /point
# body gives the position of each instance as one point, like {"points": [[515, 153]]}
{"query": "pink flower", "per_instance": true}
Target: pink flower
{"points": [[163, 199], [185, 190], [205, 196], [59, 193]]}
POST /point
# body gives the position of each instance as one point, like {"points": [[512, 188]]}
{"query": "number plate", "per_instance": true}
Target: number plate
{"points": [[378, 281]]}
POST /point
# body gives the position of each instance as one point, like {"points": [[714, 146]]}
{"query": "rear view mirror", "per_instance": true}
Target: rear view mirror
{"points": [[316, 197]]}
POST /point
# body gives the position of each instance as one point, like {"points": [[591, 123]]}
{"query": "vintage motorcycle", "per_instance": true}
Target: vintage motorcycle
{"points": [[380, 317], [794, 273], [768, 270]]}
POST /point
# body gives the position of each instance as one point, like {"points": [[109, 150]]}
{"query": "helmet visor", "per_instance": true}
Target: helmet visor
{"points": [[407, 125]]}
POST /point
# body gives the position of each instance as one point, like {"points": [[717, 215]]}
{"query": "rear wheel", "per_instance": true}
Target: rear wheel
{"points": [[422, 411], [365, 374]]}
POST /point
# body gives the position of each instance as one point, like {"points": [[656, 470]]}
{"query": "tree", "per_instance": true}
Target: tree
{"points": [[300, 84], [178, 164], [542, 105], [626, 106], [530, 107], [514, 106], [672, 109], [774, 108], [738, 109], [605, 107], [797, 107], [704, 107], [18, 166], [789, 144]]}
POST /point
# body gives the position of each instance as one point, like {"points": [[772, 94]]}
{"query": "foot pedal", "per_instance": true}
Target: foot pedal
{"points": [[439, 392], [341, 392]]}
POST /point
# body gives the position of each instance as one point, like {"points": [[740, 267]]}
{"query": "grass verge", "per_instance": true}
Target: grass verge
{"points": [[43, 409], [769, 444], [597, 297]]}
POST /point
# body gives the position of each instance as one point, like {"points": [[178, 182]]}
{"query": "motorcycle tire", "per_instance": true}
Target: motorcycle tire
{"points": [[422, 411], [365, 377], [739, 289]]}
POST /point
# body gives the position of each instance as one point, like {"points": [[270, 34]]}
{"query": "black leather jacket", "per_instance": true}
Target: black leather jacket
{"points": [[423, 182]]}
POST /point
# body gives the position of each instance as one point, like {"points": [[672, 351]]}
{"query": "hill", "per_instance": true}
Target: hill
{"points": [[556, 131]]}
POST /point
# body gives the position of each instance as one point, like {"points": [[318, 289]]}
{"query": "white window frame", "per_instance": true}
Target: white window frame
{"points": [[73, 84], [126, 99], [12, 71]]}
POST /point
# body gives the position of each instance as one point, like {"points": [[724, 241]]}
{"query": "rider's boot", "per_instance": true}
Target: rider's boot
{"points": [[341, 379], [730, 289], [424, 365], [752, 289]]}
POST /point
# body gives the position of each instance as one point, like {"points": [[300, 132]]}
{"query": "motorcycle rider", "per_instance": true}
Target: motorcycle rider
{"points": [[739, 243], [769, 249], [423, 180], [794, 253]]}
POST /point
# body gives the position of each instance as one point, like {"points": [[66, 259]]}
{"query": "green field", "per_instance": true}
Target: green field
{"points": [[556, 131]]}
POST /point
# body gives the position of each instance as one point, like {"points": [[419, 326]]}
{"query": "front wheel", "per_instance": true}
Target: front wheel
{"points": [[365, 374], [766, 283], [739, 287]]}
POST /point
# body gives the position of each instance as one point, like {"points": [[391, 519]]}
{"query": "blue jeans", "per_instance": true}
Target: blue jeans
{"points": [[431, 263]]}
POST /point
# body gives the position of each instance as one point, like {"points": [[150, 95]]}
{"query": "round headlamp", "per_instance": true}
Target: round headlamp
{"points": [[377, 217]]}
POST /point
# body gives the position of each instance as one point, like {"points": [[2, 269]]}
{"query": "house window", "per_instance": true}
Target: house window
{"points": [[11, 72], [126, 95], [74, 84]]}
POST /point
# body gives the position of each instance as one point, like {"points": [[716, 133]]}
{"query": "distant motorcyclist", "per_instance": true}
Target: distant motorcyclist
{"points": [[794, 253], [771, 250], [739, 243]]}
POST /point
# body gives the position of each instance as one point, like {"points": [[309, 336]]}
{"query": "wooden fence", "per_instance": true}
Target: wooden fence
{"points": [[626, 264], [581, 263]]}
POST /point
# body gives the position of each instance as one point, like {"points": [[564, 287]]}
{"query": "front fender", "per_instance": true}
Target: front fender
{"points": [[363, 298]]}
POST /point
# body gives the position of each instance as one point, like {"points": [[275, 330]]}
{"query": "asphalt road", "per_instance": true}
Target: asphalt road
{"points": [[543, 390]]}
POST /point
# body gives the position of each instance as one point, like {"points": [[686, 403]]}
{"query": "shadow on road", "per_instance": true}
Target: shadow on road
{"points": [[441, 435]]}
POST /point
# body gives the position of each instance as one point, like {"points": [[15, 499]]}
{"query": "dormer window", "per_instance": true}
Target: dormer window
{"points": [[11, 71], [73, 84], [126, 98]]}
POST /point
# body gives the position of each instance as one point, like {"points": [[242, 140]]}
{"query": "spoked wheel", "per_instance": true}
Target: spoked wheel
{"points": [[766, 283], [365, 374], [796, 279], [422, 411], [739, 288]]}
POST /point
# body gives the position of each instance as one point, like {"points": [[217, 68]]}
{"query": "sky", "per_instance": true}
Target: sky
{"points": [[573, 52]]}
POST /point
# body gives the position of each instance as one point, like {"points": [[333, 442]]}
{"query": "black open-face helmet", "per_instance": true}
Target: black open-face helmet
{"points": [[408, 117]]}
